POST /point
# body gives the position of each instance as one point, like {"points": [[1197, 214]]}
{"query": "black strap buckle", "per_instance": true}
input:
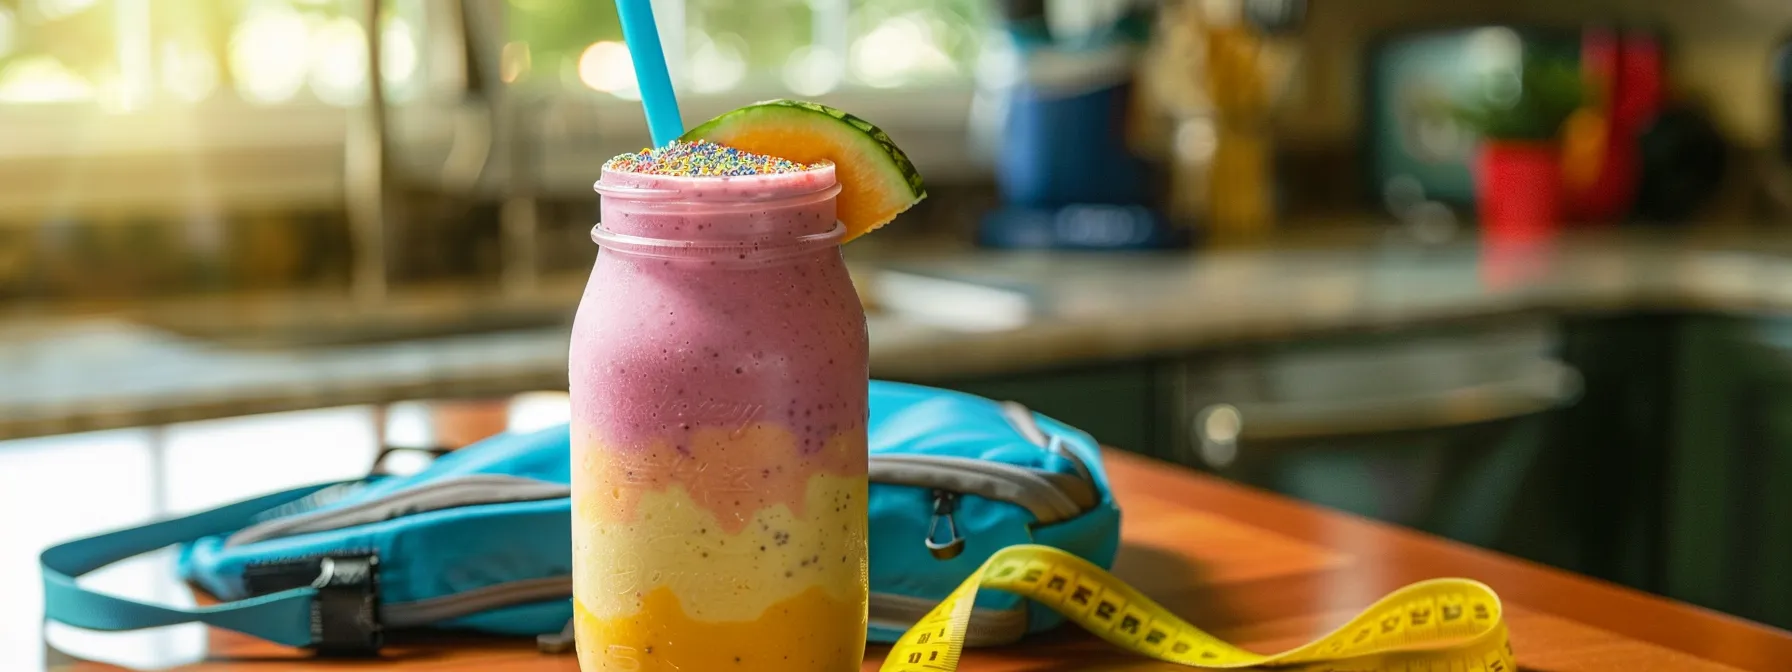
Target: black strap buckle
{"points": [[345, 615]]}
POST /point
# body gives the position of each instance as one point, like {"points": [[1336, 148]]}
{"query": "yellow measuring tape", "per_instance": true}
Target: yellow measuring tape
{"points": [[1442, 624]]}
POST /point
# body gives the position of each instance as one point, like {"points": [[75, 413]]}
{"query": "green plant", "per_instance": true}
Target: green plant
{"points": [[1531, 106]]}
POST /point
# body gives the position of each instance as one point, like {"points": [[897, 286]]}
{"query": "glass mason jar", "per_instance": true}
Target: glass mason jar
{"points": [[718, 376]]}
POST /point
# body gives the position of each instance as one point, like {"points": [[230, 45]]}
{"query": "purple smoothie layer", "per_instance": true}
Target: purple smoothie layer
{"points": [[701, 341]]}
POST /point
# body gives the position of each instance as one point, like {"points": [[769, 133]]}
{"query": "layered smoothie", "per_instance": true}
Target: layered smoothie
{"points": [[718, 379]]}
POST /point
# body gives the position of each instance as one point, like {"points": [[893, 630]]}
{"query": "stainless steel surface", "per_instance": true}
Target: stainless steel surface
{"points": [[1397, 383], [1535, 387]]}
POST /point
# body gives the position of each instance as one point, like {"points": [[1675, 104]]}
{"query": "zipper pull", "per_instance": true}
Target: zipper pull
{"points": [[944, 505]]}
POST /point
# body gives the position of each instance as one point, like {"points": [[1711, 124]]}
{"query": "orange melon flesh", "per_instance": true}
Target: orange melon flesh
{"points": [[877, 181]]}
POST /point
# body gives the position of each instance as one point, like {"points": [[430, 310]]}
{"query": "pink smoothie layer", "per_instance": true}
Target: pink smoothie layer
{"points": [[707, 343], [688, 219]]}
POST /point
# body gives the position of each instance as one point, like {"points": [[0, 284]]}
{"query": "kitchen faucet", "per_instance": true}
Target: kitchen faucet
{"points": [[492, 147]]}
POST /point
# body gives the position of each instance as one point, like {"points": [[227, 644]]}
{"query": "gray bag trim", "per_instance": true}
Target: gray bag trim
{"points": [[444, 494], [1028, 425], [507, 594], [1050, 496]]}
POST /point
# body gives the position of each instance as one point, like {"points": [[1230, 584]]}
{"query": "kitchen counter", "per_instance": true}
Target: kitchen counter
{"points": [[204, 358]]}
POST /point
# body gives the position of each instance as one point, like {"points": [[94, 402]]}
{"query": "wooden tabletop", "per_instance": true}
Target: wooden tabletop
{"points": [[1260, 570]]}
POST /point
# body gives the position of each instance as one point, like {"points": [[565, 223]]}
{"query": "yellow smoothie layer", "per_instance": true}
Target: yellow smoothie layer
{"points": [[806, 632], [674, 543]]}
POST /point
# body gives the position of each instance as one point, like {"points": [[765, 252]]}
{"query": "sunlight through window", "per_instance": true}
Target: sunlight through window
{"points": [[398, 58], [188, 72], [813, 70], [208, 464], [898, 49], [269, 54], [339, 62], [717, 64], [36, 478], [605, 66], [42, 79], [6, 31], [514, 62], [53, 10]]}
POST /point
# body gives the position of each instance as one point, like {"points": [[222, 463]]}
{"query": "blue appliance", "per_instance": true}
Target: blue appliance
{"points": [[1066, 178]]}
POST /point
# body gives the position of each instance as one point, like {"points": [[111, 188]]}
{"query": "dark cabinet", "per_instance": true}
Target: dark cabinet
{"points": [[1434, 429], [1438, 429], [1728, 490], [1652, 450]]}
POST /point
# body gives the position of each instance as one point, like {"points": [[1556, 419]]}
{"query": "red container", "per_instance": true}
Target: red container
{"points": [[1519, 192], [1625, 74], [1518, 186]]}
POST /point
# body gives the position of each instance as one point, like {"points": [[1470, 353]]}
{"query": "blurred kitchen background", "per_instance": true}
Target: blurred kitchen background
{"points": [[1516, 272]]}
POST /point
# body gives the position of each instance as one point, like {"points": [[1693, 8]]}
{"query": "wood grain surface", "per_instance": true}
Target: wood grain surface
{"points": [[1260, 570]]}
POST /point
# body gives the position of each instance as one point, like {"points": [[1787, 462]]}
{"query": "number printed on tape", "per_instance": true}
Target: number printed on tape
{"points": [[1442, 624]]}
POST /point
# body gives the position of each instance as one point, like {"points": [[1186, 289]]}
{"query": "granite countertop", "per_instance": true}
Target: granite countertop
{"points": [[170, 363]]}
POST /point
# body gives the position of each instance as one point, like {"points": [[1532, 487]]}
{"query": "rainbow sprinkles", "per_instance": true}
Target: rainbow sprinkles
{"points": [[702, 158]]}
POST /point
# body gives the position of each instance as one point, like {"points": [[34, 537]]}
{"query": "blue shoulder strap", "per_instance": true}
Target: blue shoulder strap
{"points": [[284, 617]]}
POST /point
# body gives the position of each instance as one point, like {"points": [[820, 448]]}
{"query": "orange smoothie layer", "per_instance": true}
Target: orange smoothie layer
{"points": [[808, 632], [741, 471]]}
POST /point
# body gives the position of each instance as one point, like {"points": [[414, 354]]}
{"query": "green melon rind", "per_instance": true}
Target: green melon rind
{"points": [[884, 147]]}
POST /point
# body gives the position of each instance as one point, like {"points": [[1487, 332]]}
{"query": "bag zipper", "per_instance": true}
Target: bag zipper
{"points": [[508, 594], [945, 504], [1050, 496], [471, 490]]}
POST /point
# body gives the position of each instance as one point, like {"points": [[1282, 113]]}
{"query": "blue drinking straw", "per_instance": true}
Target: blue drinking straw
{"points": [[655, 82]]}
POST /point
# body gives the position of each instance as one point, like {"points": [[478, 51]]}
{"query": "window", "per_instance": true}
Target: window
{"points": [[124, 56], [806, 47], [281, 80], [867, 56], [151, 108], [164, 147]]}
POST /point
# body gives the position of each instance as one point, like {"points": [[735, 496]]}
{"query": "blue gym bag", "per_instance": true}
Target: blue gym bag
{"points": [[480, 540]]}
